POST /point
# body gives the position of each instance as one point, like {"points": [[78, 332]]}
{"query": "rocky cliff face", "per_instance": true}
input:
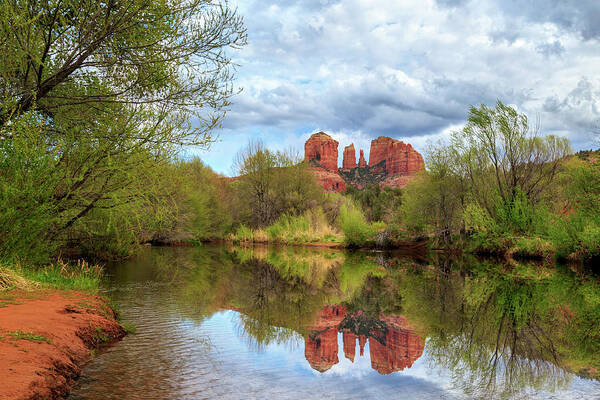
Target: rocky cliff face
{"points": [[331, 181], [362, 163], [400, 158], [393, 345], [321, 149], [349, 160], [392, 163]]}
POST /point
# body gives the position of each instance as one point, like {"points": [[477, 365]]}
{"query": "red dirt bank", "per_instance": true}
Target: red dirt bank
{"points": [[73, 323]]}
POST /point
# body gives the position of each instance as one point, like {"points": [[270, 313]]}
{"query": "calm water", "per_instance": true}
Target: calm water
{"points": [[274, 323]]}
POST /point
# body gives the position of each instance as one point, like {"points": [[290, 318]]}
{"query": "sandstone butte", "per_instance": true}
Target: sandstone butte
{"points": [[391, 350], [349, 157], [58, 331], [392, 163]]}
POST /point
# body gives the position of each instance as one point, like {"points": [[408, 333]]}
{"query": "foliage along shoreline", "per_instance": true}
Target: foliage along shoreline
{"points": [[92, 164], [496, 188]]}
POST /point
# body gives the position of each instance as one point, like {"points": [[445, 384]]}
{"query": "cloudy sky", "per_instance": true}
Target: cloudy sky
{"points": [[409, 69]]}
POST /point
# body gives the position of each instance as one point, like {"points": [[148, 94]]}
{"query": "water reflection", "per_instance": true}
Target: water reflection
{"points": [[452, 328], [393, 344]]}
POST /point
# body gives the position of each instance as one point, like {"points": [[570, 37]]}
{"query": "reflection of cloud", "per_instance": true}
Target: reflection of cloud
{"points": [[280, 370], [358, 369]]}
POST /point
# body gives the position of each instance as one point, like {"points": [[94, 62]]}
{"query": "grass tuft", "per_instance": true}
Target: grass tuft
{"points": [[32, 337], [310, 227], [129, 327], [79, 276]]}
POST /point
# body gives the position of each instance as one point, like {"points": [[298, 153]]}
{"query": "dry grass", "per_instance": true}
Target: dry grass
{"points": [[10, 280]]}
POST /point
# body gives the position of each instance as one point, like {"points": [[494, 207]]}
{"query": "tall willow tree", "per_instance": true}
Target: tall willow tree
{"points": [[94, 96], [491, 176]]}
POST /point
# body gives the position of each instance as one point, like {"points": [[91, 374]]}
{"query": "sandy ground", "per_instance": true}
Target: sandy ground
{"points": [[45, 339]]}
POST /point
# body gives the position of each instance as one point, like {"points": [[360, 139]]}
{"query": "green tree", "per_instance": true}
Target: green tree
{"points": [[111, 88], [500, 154], [495, 176], [434, 201], [271, 184]]}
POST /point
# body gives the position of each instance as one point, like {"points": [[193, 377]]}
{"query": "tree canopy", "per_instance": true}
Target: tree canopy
{"points": [[97, 96]]}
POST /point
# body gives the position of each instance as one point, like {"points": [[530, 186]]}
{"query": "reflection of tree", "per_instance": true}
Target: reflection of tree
{"points": [[499, 329], [360, 323], [278, 291]]}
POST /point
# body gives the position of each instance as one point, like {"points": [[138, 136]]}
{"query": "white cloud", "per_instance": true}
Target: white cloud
{"points": [[411, 69]]}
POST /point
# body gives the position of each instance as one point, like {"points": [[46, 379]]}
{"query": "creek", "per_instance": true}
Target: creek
{"points": [[226, 322]]}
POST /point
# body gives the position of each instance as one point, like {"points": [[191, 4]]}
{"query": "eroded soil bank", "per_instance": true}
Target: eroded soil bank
{"points": [[46, 337]]}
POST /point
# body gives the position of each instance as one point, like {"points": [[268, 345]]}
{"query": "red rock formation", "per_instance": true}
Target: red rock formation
{"points": [[323, 150], [349, 160], [400, 158], [361, 161], [379, 150], [349, 345], [330, 181], [396, 181], [391, 163]]}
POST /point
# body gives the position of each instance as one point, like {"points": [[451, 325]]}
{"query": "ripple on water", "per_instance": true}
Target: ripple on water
{"points": [[179, 354]]}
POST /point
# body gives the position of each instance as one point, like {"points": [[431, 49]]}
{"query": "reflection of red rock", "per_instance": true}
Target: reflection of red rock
{"points": [[330, 316], [349, 160], [321, 351], [323, 150], [401, 349], [362, 340], [349, 345]]}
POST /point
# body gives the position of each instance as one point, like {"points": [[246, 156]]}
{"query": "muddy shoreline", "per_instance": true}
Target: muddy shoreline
{"points": [[47, 336]]}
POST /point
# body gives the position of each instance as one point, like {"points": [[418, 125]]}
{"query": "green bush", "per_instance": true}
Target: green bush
{"points": [[357, 231], [243, 234], [533, 247], [590, 239], [310, 227]]}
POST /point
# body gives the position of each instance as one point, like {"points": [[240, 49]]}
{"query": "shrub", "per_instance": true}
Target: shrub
{"points": [[533, 247], [312, 226], [357, 231], [243, 234]]}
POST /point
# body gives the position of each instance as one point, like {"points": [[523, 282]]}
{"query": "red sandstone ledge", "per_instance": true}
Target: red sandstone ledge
{"points": [[67, 324]]}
